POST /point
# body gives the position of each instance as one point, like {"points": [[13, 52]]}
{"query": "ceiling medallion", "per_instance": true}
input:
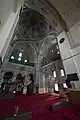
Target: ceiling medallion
{"points": [[32, 25]]}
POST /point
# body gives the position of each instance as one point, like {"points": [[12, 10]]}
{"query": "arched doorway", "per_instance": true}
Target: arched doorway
{"points": [[7, 76]]}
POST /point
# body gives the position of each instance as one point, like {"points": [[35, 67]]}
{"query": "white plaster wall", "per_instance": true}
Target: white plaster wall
{"points": [[75, 51], [68, 9], [65, 48], [70, 57], [7, 32], [76, 58], [75, 33], [6, 7], [9, 20], [69, 66], [67, 54]]}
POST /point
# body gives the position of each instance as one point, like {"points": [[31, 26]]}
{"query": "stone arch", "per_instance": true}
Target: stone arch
{"points": [[47, 42], [25, 46], [15, 42], [23, 40], [8, 75]]}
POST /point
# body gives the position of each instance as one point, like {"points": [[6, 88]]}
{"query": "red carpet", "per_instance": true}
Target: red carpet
{"points": [[38, 104]]}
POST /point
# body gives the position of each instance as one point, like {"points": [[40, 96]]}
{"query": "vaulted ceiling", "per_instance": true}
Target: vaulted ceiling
{"points": [[38, 19], [68, 9]]}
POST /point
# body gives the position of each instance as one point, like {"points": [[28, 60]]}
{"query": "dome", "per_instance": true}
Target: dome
{"points": [[32, 25]]}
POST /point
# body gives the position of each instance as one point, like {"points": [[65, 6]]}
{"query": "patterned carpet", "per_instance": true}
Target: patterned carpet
{"points": [[39, 105]]}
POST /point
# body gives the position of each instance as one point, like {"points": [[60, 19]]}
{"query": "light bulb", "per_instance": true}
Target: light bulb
{"points": [[25, 61], [19, 59], [52, 50], [58, 52], [20, 54], [14, 92], [12, 57]]}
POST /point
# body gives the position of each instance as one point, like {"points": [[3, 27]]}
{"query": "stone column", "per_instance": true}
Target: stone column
{"points": [[37, 67], [60, 83], [59, 78], [52, 85], [67, 53], [5, 61]]}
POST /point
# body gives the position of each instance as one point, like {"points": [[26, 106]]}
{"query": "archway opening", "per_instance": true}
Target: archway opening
{"points": [[8, 76]]}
